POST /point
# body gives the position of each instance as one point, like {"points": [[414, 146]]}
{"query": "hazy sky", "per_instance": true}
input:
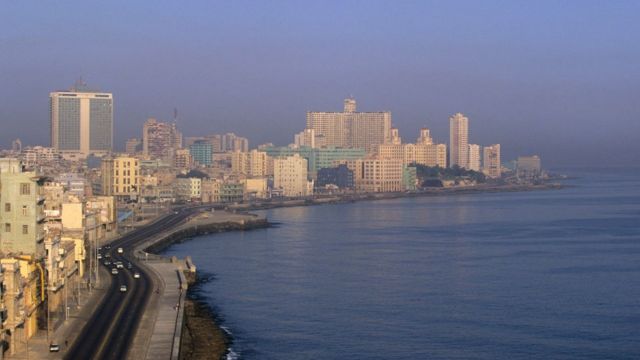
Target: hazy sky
{"points": [[556, 78]]}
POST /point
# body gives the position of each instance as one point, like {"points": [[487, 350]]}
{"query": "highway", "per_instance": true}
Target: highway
{"points": [[111, 329]]}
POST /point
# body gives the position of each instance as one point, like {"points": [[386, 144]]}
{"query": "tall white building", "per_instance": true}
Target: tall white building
{"points": [[290, 176], [474, 157], [459, 140], [81, 121]]}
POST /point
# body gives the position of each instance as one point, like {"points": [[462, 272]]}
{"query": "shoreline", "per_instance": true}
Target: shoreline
{"points": [[205, 337]]}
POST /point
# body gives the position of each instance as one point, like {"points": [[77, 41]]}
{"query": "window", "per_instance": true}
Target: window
{"points": [[25, 229], [25, 210], [7, 207], [25, 189], [7, 227]]}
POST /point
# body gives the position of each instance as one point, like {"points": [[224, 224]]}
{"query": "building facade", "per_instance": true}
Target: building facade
{"points": [[459, 141], [81, 121], [201, 152], [474, 157], [160, 140], [290, 175], [350, 129], [121, 176], [491, 165]]}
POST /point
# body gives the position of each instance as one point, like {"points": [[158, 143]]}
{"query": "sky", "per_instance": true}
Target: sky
{"points": [[556, 78]]}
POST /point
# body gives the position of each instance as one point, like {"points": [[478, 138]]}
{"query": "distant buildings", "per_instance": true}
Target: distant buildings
{"points": [[81, 121], [529, 167], [340, 176], [133, 146], [350, 129], [232, 142], [459, 141], [160, 140], [423, 152], [492, 167]]}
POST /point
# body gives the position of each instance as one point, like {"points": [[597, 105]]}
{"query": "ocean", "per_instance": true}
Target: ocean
{"points": [[528, 275]]}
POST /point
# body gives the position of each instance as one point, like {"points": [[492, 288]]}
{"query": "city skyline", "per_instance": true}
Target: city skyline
{"points": [[552, 90]]}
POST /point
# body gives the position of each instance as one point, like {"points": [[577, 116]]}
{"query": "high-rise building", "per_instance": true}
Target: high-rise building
{"points": [[377, 175], [350, 129], [491, 165], [182, 159], [81, 121], [160, 140], [474, 157], [290, 176], [120, 176], [232, 142], [21, 210], [459, 141], [201, 152], [253, 163], [529, 166]]}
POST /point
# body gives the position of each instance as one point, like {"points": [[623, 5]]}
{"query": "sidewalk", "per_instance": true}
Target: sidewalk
{"points": [[157, 333], [70, 329]]}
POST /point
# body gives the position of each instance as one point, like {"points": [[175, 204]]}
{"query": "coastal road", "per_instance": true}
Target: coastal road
{"points": [[109, 332]]}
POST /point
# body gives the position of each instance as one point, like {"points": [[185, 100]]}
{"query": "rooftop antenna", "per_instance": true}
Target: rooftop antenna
{"points": [[175, 115]]}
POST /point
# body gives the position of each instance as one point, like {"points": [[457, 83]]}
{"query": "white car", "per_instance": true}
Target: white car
{"points": [[136, 275], [114, 271], [123, 288], [120, 250], [119, 265]]}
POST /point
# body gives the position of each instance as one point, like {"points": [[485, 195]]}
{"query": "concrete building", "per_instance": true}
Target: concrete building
{"points": [[340, 176], [474, 157], [121, 176], [491, 165], [201, 152], [210, 190], [318, 158], [423, 152], [232, 142], [350, 129], [183, 159], [21, 210], [290, 175], [81, 121], [160, 140], [133, 146], [252, 164], [459, 141], [188, 189], [306, 137], [256, 188], [529, 166], [377, 175]]}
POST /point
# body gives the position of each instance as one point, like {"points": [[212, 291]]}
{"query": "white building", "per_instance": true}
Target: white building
{"points": [[474, 157], [459, 141], [290, 176], [81, 121]]}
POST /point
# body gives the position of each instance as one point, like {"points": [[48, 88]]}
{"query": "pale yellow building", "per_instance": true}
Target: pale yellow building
{"points": [[252, 164], [377, 175], [120, 176], [423, 152], [255, 188]]}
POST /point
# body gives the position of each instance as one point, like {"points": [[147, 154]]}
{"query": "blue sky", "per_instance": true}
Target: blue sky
{"points": [[556, 78]]}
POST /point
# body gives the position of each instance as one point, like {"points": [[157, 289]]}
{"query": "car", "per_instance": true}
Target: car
{"points": [[136, 275], [119, 265], [99, 256], [107, 263], [114, 271], [123, 288], [107, 255], [107, 247], [53, 347], [129, 266], [120, 250]]}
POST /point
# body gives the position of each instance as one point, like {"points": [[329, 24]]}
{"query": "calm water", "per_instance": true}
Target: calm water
{"points": [[552, 274]]}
